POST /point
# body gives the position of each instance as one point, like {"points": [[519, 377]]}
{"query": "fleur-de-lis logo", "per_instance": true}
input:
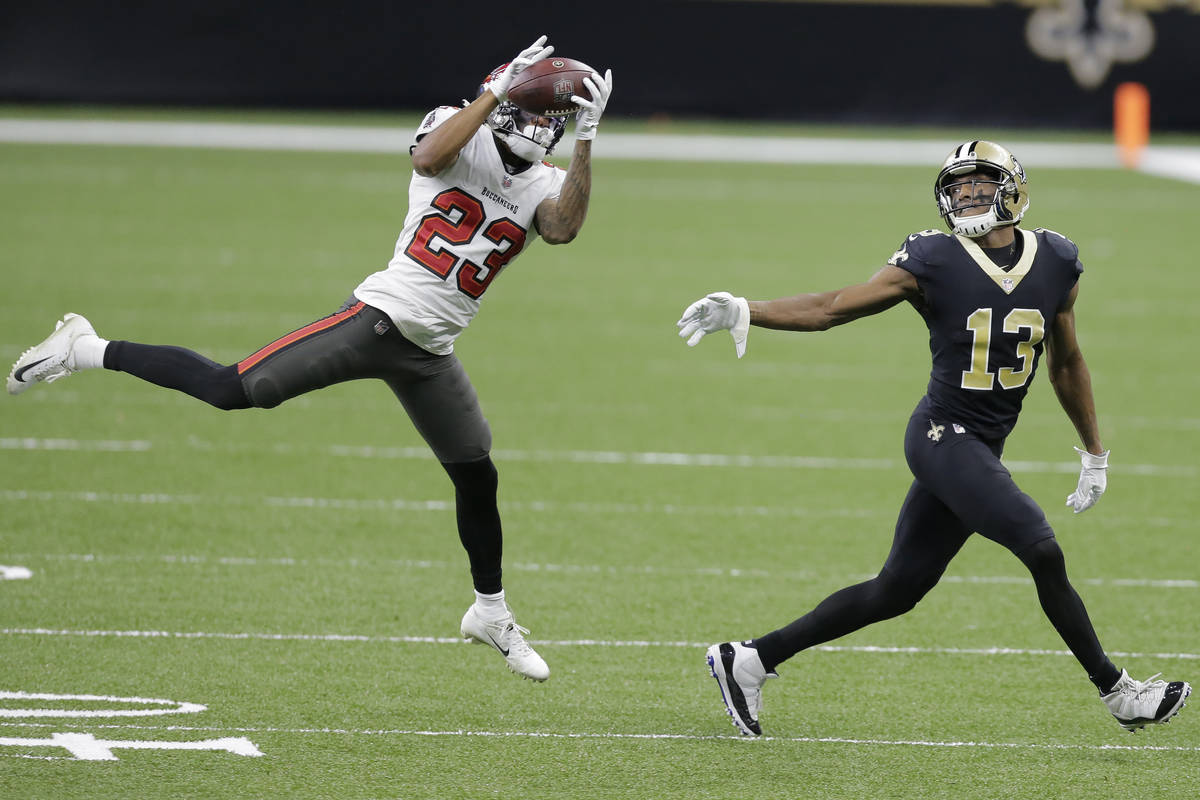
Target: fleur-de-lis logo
{"points": [[1090, 35], [935, 431]]}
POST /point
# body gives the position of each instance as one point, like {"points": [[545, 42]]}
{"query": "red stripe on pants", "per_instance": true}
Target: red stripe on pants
{"points": [[295, 336]]}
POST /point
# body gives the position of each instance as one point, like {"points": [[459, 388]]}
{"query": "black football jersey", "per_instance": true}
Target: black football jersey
{"points": [[987, 326]]}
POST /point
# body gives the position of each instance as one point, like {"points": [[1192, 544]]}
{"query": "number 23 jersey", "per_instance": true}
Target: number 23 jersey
{"points": [[463, 227], [987, 326]]}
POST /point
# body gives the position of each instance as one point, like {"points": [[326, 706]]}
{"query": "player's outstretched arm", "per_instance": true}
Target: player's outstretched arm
{"points": [[822, 311], [560, 220], [803, 312]]}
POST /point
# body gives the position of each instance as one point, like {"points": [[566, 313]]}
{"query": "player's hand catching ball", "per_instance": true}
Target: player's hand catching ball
{"points": [[719, 311], [530, 55], [588, 116]]}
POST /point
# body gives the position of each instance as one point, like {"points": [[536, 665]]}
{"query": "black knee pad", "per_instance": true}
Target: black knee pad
{"points": [[903, 592], [224, 390], [263, 392], [1044, 558]]}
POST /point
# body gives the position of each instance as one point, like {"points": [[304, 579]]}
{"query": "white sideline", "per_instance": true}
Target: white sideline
{"points": [[1177, 162], [608, 643], [689, 737]]}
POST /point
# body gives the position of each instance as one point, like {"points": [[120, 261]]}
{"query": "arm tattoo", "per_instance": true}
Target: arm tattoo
{"points": [[561, 222]]}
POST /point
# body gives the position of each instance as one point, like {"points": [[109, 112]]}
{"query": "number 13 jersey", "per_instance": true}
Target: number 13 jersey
{"points": [[463, 227], [987, 326]]}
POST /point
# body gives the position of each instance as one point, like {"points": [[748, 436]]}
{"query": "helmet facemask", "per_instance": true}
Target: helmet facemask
{"points": [[530, 137], [1005, 205]]}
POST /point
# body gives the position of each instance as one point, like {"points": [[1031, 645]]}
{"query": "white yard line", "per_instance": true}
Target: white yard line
{"points": [[1180, 163], [606, 643], [613, 457], [392, 504], [551, 735], [343, 564]]}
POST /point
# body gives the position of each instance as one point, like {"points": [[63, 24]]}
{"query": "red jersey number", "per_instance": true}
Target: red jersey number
{"points": [[439, 229]]}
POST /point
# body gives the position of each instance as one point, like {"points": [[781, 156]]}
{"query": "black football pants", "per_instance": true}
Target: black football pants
{"points": [[960, 487]]}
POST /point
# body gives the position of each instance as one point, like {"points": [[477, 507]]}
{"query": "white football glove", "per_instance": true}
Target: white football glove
{"points": [[588, 116], [1093, 480], [719, 311], [530, 55]]}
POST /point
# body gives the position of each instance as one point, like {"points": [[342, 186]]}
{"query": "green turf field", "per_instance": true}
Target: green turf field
{"points": [[297, 572]]}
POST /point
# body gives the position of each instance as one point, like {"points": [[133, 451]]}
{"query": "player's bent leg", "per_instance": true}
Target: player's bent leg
{"points": [[927, 537], [357, 341], [444, 407], [967, 473], [1065, 610], [1133, 703], [180, 369]]}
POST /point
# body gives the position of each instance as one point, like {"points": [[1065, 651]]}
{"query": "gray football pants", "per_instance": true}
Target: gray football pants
{"points": [[360, 341]]}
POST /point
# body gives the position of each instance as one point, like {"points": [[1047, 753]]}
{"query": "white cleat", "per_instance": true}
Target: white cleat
{"points": [[53, 358], [740, 674], [1137, 704], [507, 637]]}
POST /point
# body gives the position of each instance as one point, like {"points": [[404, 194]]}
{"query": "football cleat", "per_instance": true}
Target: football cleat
{"points": [[53, 358], [1137, 704], [507, 637], [740, 674]]}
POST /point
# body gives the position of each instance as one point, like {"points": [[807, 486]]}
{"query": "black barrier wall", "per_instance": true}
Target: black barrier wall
{"points": [[1040, 63]]}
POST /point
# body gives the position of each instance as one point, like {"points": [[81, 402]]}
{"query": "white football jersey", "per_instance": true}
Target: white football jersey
{"points": [[463, 227]]}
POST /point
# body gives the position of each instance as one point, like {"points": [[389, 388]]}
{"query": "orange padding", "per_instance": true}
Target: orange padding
{"points": [[1131, 121]]}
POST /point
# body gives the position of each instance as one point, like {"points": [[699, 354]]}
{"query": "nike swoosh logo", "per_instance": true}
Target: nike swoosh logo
{"points": [[19, 374], [496, 644]]}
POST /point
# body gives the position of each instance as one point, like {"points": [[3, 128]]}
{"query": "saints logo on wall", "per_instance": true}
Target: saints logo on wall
{"points": [[1088, 36], [1092, 35]]}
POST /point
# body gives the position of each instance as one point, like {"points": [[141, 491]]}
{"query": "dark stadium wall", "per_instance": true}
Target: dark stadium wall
{"points": [[1040, 63]]}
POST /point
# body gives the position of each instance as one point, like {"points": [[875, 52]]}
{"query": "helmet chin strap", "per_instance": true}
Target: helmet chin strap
{"points": [[973, 226]]}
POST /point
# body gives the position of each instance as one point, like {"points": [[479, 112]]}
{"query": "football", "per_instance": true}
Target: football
{"points": [[545, 88]]}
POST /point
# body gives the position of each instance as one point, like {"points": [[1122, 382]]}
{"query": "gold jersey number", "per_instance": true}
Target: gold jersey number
{"points": [[979, 324]]}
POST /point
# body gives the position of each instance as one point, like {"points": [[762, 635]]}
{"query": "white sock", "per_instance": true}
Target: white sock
{"points": [[88, 352], [491, 606]]}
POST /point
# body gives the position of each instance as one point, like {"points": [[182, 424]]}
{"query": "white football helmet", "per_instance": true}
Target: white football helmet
{"points": [[530, 137], [1005, 207]]}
